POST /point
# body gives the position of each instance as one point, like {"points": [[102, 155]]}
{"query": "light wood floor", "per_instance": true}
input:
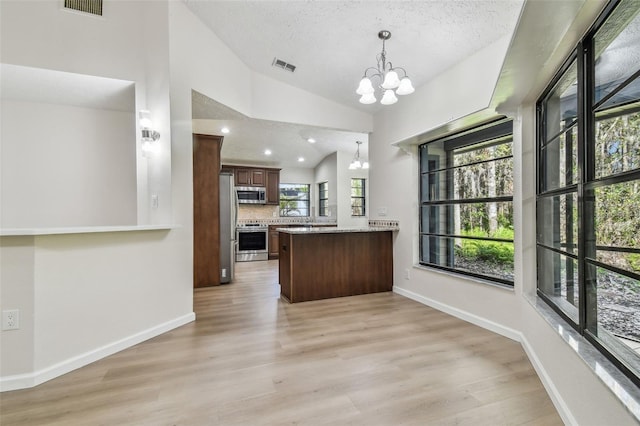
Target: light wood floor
{"points": [[252, 359]]}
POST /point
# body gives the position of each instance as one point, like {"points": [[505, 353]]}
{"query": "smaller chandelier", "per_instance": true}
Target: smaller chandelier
{"points": [[356, 163], [389, 79]]}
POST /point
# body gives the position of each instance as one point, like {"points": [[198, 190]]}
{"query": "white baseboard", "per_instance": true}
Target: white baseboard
{"points": [[23, 381], [458, 313], [556, 398], [552, 391]]}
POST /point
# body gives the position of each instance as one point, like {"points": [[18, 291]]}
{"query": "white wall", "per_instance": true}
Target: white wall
{"points": [[65, 166], [84, 296]]}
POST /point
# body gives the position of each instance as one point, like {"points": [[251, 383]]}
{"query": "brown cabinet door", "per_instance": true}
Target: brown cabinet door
{"points": [[243, 177], [274, 244], [206, 209], [258, 177], [273, 187], [249, 176]]}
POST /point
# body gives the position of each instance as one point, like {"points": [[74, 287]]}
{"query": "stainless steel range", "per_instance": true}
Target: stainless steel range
{"points": [[252, 242]]}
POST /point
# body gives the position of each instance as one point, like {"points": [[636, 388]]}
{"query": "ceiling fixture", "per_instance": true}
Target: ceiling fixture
{"points": [[300, 159], [356, 163], [311, 140], [389, 79], [225, 130], [267, 152]]}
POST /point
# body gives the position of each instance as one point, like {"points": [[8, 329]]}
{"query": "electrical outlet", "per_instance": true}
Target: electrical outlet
{"points": [[407, 274], [224, 272], [154, 201], [11, 319]]}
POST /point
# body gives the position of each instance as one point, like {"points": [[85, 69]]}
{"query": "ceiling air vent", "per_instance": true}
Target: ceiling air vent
{"points": [[93, 7], [284, 65]]}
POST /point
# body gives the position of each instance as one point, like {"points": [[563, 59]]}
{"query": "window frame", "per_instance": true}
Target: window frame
{"points": [[306, 200], [356, 197], [589, 112], [479, 136], [323, 195]]}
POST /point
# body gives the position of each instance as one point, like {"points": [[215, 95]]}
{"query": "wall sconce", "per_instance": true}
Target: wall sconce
{"points": [[149, 136]]}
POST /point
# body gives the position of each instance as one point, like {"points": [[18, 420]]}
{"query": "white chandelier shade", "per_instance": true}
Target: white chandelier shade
{"points": [[356, 163], [388, 76]]}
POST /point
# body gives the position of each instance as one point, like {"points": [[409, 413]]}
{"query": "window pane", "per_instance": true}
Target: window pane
{"points": [[616, 313], [617, 48], [560, 161], [558, 222], [626, 96], [489, 258], [476, 219], [482, 152], [294, 199], [357, 211], [617, 145], [484, 180], [561, 106], [617, 220], [558, 280]]}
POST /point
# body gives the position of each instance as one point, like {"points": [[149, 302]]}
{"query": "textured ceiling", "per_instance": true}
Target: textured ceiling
{"points": [[332, 42]]}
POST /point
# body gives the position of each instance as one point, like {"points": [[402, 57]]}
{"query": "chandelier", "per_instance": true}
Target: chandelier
{"points": [[389, 79], [356, 163]]}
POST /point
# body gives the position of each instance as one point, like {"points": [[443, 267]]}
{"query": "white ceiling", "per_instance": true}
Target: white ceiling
{"points": [[331, 43]]}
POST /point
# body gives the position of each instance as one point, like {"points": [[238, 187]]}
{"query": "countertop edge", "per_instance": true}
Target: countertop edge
{"points": [[334, 230]]}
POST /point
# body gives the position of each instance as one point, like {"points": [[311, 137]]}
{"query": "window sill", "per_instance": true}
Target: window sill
{"points": [[461, 276], [621, 386]]}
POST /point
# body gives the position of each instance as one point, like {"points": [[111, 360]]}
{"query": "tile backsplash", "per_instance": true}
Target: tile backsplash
{"points": [[252, 213], [257, 212]]}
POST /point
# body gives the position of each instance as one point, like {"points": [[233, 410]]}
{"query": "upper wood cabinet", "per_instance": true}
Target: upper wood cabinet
{"points": [[250, 177], [273, 186], [256, 176]]}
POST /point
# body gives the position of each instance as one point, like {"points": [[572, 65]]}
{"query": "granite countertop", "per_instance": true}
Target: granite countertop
{"points": [[334, 230]]}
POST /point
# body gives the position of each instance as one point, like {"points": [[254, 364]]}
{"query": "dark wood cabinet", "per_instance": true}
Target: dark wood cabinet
{"points": [[274, 241], [250, 177], [273, 186], [255, 176], [316, 266], [274, 236], [206, 202]]}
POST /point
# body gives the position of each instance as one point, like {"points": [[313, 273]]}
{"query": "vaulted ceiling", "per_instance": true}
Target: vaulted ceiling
{"points": [[331, 43]]}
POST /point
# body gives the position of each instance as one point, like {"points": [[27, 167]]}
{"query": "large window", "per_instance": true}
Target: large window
{"points": [[294, 199], [589, 188], [358, 200], [466, 203], [323, 199]]}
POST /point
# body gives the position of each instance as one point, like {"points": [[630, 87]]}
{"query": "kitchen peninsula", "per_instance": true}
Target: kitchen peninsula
{"points": [[321, 263]]}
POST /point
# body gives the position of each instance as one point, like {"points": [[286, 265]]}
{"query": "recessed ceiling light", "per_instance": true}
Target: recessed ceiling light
{"points": [[300, 159], [267, 152], [311, 140], [225, 130]]}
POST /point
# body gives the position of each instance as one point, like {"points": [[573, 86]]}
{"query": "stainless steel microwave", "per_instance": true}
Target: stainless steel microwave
{"points": [[251, 195]]}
